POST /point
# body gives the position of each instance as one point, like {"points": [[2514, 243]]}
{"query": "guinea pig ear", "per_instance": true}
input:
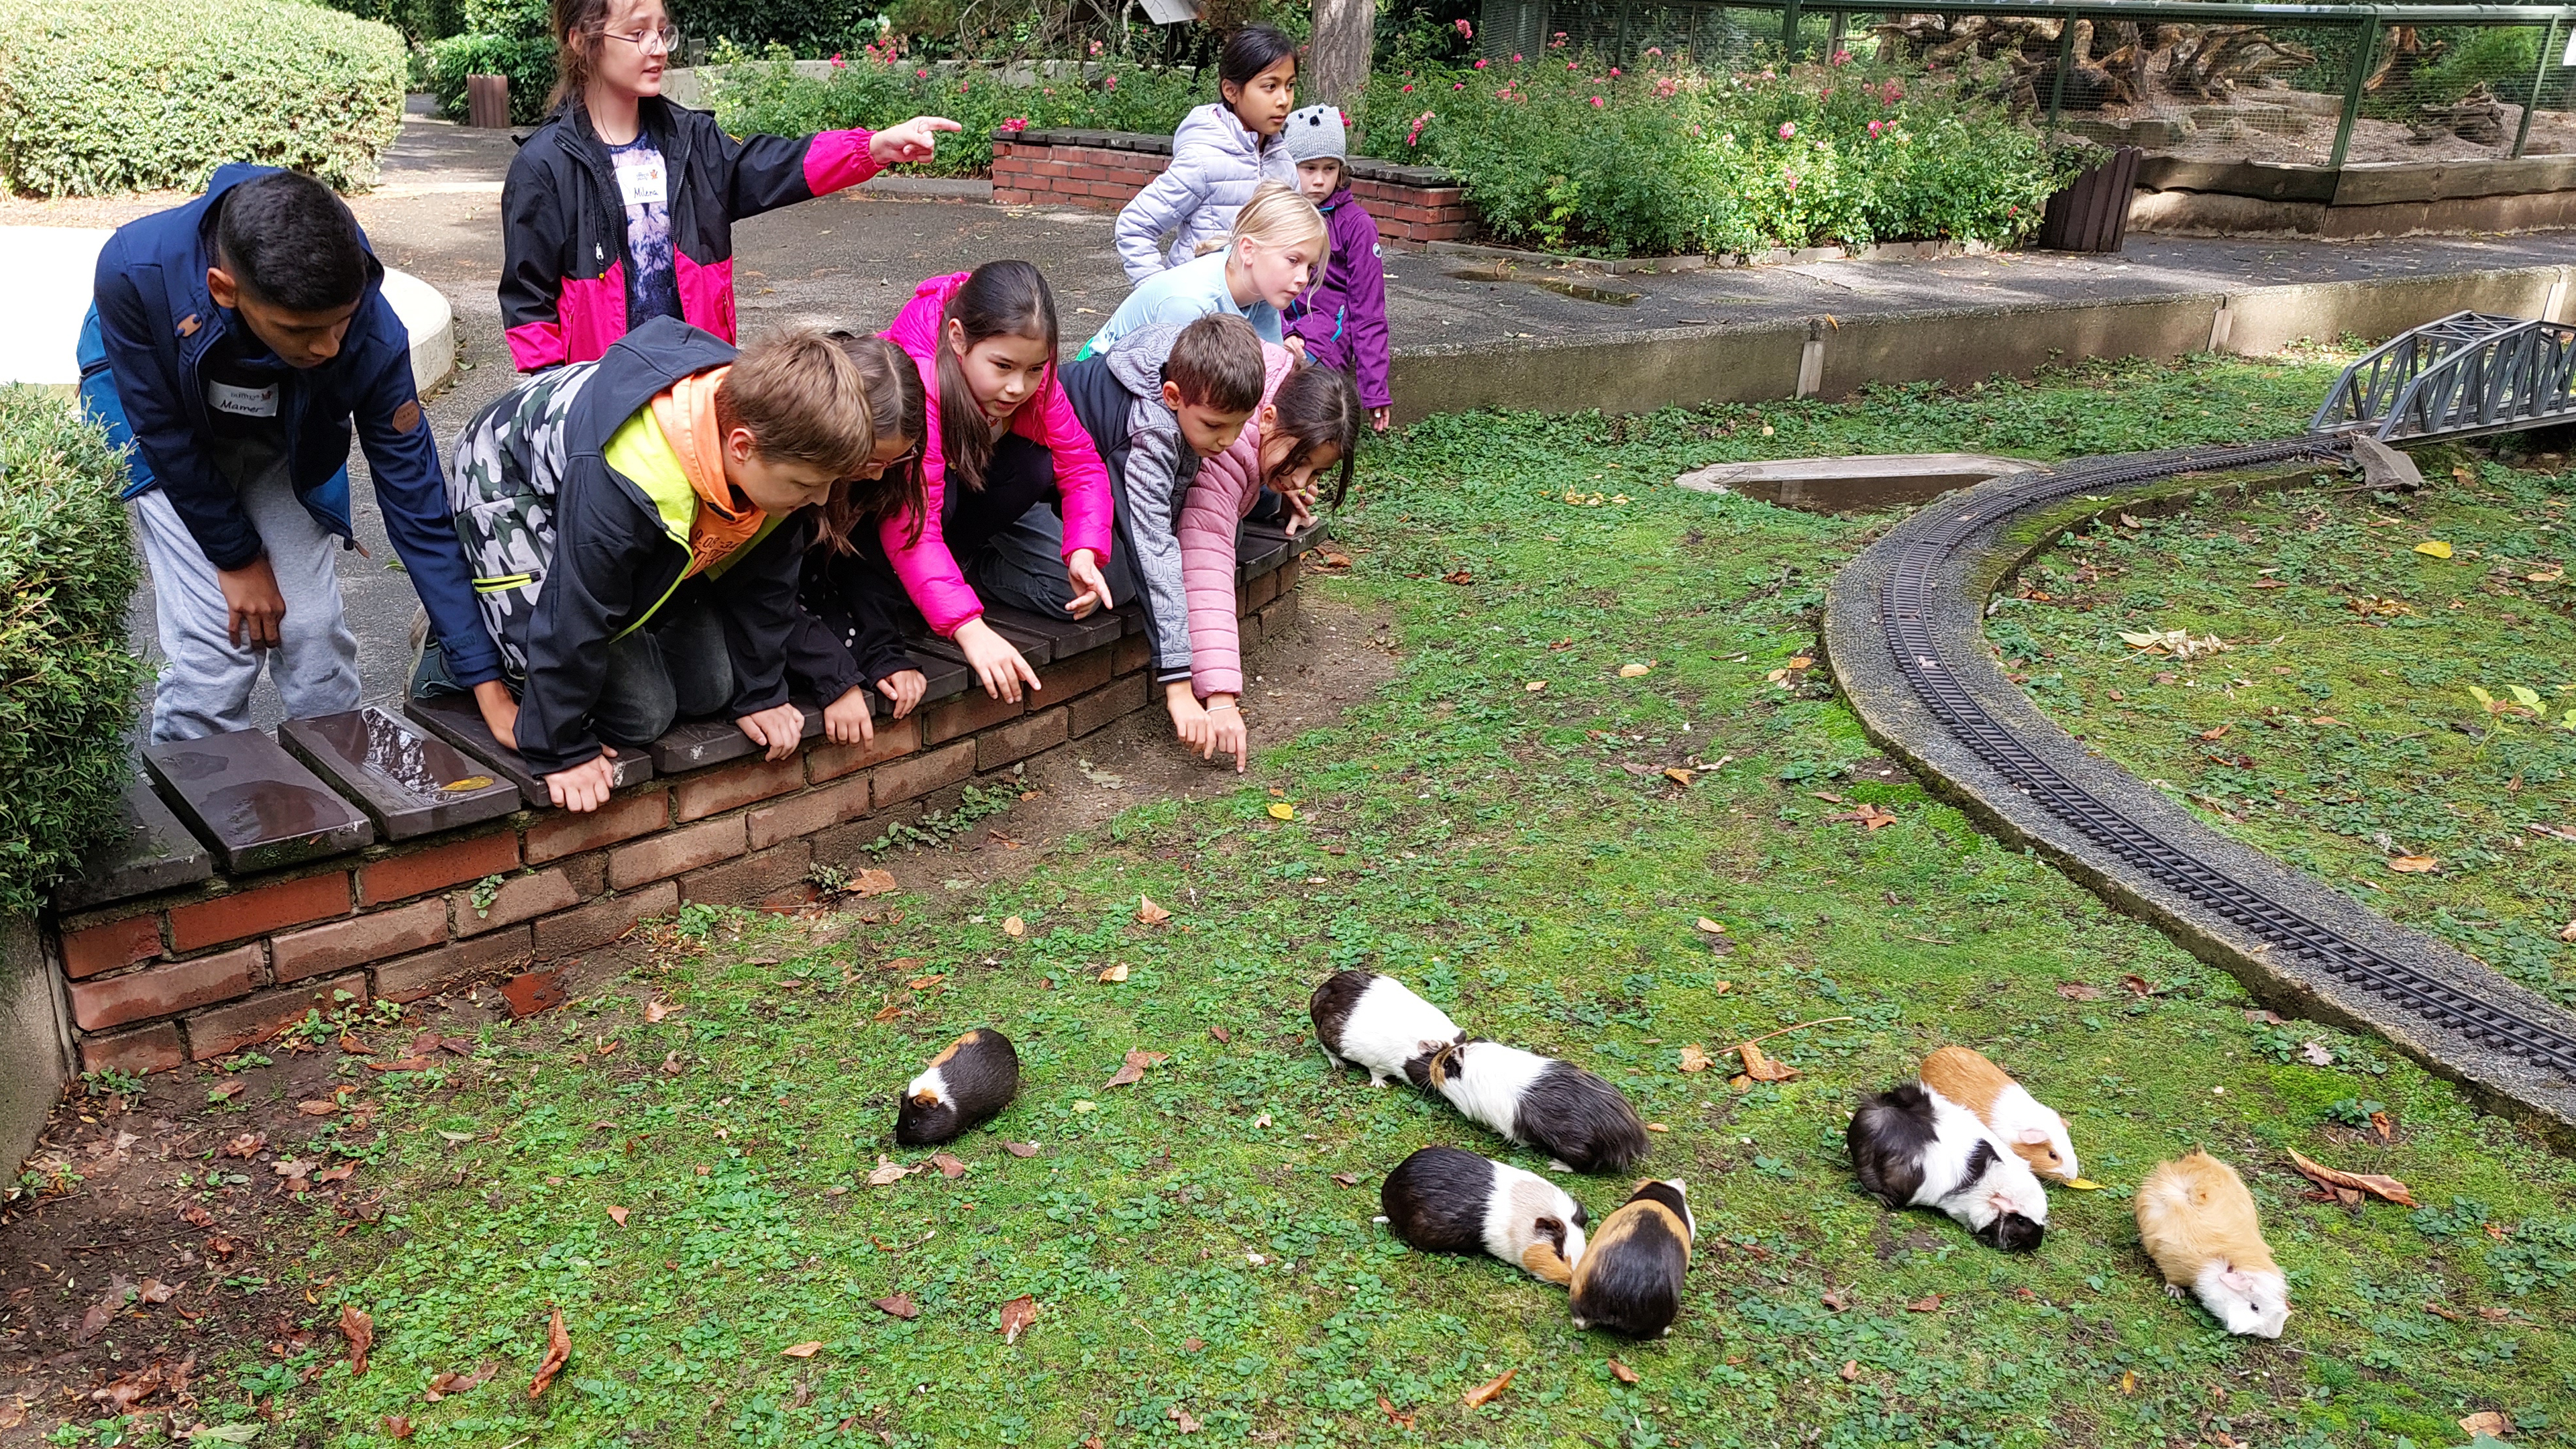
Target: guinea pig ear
{"points": [[1550, 1229], [2237, 1281], [925, 1100], [2032, 1137]]}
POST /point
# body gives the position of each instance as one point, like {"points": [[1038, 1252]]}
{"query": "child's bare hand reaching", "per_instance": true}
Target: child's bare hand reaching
{"points": [[1211, 729], [778, 729], [905, 687], [1090, 586], [585, 786], [846, 720], [914, 140]]}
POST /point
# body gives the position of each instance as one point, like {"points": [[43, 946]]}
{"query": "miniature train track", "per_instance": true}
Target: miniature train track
{"points": [[1909, 609]]}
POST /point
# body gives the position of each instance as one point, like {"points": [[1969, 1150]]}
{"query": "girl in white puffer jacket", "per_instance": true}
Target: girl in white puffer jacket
{"points": [[1220, 153]]}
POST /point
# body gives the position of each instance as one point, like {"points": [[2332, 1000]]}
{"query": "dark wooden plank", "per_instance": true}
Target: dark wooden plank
{"points": [[1072, 636], [146, 850], [1259, 553], [1133, 616], [410, 783], [250, 800], [695, 744], [453, 718], [942, 679], [1313, 535], [1034, 643]]}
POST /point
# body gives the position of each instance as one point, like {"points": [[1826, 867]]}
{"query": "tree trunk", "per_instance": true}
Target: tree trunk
{"points": [[1337, 58]]}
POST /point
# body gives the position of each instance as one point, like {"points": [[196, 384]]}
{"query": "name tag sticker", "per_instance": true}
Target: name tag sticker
{"points": [[644, 183], [242, 402]]}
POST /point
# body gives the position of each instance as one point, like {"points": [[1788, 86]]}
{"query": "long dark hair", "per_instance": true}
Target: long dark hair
{"points": [[577, 26], [1000, 299], [893, 391], [1248, 52], [1319, 408]]}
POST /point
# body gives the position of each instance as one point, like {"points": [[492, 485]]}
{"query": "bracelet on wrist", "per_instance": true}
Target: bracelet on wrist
{"points": [[1223, 704]]}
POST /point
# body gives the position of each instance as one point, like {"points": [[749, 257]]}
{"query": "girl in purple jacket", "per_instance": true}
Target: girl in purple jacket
{"points": [[1343, 320]]}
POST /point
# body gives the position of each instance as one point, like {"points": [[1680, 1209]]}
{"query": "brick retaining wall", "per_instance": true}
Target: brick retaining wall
{"points": [[1100, 170], [167, 976]]}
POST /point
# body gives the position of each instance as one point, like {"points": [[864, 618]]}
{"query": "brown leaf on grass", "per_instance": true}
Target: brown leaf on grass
{"points": [[1622, 1372], [949, 1167], [655, 1011], [807, 1349], [1115, 973], [1486, 1393], [1836, 1299], [1181, 1419], [558, 1352], [2453, 1314], [889, 1172], [2219, 733], [246, 1145], [1678, 775], [1149, 913], [397, 1426], [671, 1064], [897, 1305], [874, 882], [1221, 1034], [1458, 576], [1347, 1179], [1021, 1149], [1694, 1059], [924, 983], [317, 1109], [1399, 1420], [2128, 1381], [2387, 1130], [94, 1322], [1017, 1315], [360, 1330], [2373, 1183], [617, 1215], [2487, 1422], [2265, 1018], [1850, 1371], [1761, 1066], [1138, 1059], [1332, 558], [2137, 986], [224, 1091], [153, 1290], [1014, 927], [2078, 991], [399, 1064], [1925, 1305], [341, 1173], [1869, 817], [2414, 864]]}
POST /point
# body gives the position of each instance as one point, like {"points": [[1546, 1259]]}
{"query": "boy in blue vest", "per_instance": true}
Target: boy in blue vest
{"points": [[234, 344]]}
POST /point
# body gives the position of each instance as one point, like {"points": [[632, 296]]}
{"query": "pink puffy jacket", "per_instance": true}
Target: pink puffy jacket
{"points": [[929, 572], [1227, 487]]}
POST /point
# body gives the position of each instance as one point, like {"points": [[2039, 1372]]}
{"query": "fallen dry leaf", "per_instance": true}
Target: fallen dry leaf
{"points": [[1347, 1179], [1021, 1149], [1115, 973], [1181, 1419], [341, 1173], [94, 1322], [2487, 1422], [1850, 1371], [1535, 686], [1633, 671], [1836, 1299], [1282, 810], [1458, 576], [2083, 1184], [1925, 1305], [1486, 1393], [1868, 817], [1712, 927], [949, 1167], [1138, 1059], [2414, 864], [807, 1349], [1017, 1315], [661, 1010], [246, 1145], [874, 882], [671, 1064], [1622, 1372], [400, 1064], [2316, 1054], [317, 1109], [618, 1216], [397, 1426], [2387, 1130], [897, 1305], [1696, 1060], [2453, 1314], [1761, 1066], [360, 1330], [153, 1290], [2137, 986], [2128, 1381], [224, 1091], [1220, 1033], [1014, 927], [2373, 1183], [888, 1172], [558, 1352], [1150, 913], [1401, 1421], [1333, 558], [1678, 775], [2078, 991], [2219, 733], [2265, 1018], [2434, 547]]}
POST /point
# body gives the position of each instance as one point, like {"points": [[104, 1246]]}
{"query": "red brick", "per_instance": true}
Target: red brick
{"points": [[601, 922], [1019, 739], [563, 833], [1080, 674], [228, 1029], [1291, 571], [520, 898], [423, 871], [716, 791], [814, 810], [1007, 195], [258, 911], [920, 774], [588, 873], [164, 989], [1278, 616], [144, 1049], [343, 944], [1116, 701], [967, 713], [414, 977], [1256, 592], [1091, 173], [751, 879], [1247, 634], [105, 948], [894, 737], [1131, 654], [672, 853]]}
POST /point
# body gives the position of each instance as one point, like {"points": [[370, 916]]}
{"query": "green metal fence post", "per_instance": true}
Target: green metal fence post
{"points": [[2065, 62], [1789, 32], [2352, 90], [2539, 74]]}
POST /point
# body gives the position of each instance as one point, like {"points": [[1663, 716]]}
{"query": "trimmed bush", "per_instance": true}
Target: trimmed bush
{"points": [[68, 678], [105, 96]]}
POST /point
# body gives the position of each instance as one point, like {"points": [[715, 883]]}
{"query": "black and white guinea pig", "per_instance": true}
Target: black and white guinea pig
{"points": [[1580, 1119], [1372, 1021], [1630, 1279], [1442, 1200], [964, 1086], [1913, 1147]]}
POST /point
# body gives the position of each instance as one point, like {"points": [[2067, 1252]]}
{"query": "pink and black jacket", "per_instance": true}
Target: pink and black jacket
{"points": [[563, 226]]}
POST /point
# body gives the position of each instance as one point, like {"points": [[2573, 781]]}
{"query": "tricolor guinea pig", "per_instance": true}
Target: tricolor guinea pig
{"points": [[1442, 1200], [1372, 1021], [2035, 1134], [1583, 1121], [964, 1086], [2198, 1222], [1916, 1148], [1630, 1279]]}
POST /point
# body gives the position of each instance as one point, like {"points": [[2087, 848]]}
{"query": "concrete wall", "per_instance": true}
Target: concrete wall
{"points": [[35, 1039]]}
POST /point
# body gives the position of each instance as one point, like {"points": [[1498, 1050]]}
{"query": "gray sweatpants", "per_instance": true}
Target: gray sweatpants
{"points": [[206, 679]]}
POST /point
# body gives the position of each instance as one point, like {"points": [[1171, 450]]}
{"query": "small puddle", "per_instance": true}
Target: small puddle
{"points": [[1579, 291]]}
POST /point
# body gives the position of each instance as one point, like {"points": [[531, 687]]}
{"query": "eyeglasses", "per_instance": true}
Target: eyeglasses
{"points": [[667, 38]]}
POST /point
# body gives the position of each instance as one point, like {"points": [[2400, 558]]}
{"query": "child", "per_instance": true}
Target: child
{"points": [[1219, 154], [621, 206], [1000, 441], [1310, 422], [1158, 403], [234, 343], [843, 639], [637, 523], [1278, 243], [1343, 321]]}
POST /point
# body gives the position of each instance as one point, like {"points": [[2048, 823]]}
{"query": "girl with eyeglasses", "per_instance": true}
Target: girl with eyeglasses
{"points": [[621, 206]]}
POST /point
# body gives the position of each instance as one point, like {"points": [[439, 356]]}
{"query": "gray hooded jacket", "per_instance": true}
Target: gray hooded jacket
{"points": [[1118, 395], [1216, 164]]}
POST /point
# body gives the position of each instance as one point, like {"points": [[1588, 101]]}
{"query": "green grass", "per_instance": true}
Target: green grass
{"points": [[1519, 857], [2350, 737]]}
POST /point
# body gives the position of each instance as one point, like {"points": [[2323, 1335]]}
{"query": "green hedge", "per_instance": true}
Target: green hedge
{"points": [[502, 37], [68, 677], [103, 96]]}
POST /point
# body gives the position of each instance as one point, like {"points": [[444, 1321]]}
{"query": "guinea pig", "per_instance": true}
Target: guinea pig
{"points": [[964, 1086], [1442, 1200], [2197, 1221], [1576, 1116], [1913, 1147], [1630, 1279], [1372, 1021], [2036, 1134]]}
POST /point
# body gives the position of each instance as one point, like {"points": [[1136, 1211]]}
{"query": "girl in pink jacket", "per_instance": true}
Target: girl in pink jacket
{"points": [[1308, 423], [1001, 441]]}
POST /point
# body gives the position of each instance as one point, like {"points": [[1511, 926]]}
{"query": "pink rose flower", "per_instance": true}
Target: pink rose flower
{"points": [[1480, 65], [838, 63], [1465, 30], [1788, 129], [1614, 72], [1596, 103], [1516, 60]]}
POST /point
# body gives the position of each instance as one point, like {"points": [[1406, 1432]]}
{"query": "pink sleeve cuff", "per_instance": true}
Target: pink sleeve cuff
{"points": [[536, 344], [838, 159]]}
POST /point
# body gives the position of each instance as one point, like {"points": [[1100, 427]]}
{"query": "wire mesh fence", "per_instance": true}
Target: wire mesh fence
{"points": [[2311, 85]]}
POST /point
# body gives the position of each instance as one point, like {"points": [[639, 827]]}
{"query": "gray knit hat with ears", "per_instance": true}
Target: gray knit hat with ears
{"points": [[1315, 134]]}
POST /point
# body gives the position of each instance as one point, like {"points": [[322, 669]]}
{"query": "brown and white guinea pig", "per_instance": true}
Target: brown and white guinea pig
{"points": [[1372, 1021], [964, 1086], [1630, 1279], [1442, 1200], [2197, 1221], [1916, 1148], [2036, 1134], [1580, 1119]]}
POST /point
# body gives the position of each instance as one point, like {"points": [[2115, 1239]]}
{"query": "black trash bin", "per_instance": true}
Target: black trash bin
{"points": [[2091, 213]]}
